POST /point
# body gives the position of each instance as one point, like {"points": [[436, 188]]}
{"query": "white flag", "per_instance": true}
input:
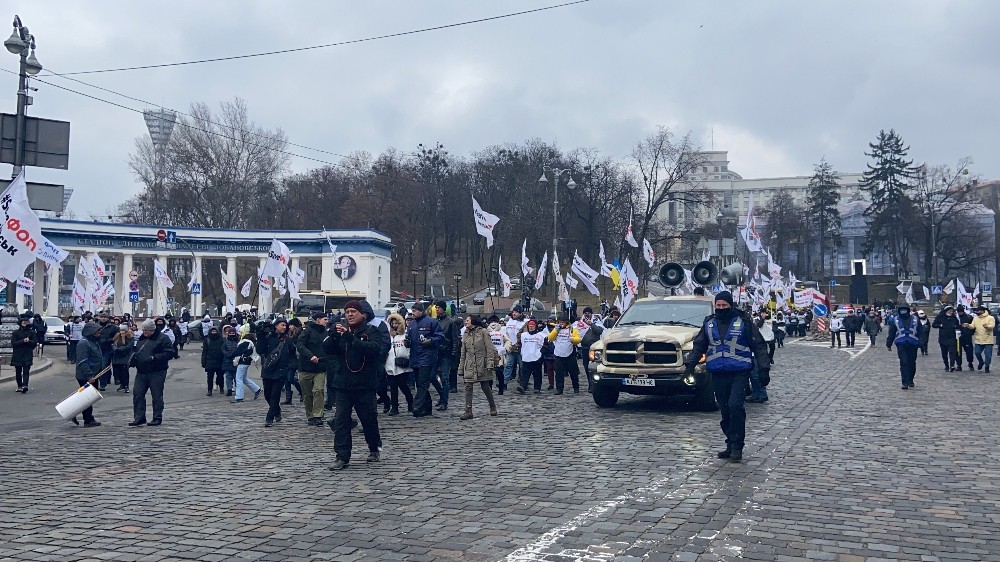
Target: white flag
{"points": [[975, 292], [605, 266], [647, 252], [582, 269], [504, 278], [277, 259], [629, 286], [485, 222], [555, 265], [629, 237], [563, 292], [540, 278], [949, 287], [229, 288], [525, 268], [927, 293], [106, 292], [618, 302], [264, 286], [909, 295], [22, 233], [333, 247], [901, 287], [245, 290], [25, 286], [295, 281], [161, 275], [195, 274], [571, 281], [97, 268], [79, 297], [282, 284]]}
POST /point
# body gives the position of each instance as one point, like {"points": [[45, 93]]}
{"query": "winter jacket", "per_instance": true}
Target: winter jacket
{"points": [[478, 357], [40, 328], [89, 358], [211, 353], [983, 326], [153, 353], [872, 325], [245, 350], [75, 330], [309, 344], [966, 333], [923, 330], [451, 345], [379, 324], [397, 349], [107, 338], [354, 358], [229, 347], [122, 349], [23, 351], [422, 355], [946, 325], [286, 359], [852, 323]]}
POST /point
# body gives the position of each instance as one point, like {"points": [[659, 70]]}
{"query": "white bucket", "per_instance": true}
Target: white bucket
{"points": [[85, 397]]}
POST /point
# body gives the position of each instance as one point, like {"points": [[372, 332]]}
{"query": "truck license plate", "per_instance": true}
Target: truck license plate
{"points": [[640, 382]]}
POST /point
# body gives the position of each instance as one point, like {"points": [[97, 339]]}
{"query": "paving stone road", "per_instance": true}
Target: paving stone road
{"points": [[841, 465]]}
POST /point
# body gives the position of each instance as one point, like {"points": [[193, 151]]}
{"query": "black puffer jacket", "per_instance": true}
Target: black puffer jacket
{"points": [[211, 352], [946, 326], [286, 359], [310, 343], [153, 353], [23, 351]]}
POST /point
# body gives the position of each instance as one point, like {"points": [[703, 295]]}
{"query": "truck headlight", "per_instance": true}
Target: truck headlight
{"points": [[596, 355]]}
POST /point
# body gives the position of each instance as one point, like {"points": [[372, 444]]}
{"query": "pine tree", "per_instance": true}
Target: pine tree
{"points": [[821, 205], [888, 181]]}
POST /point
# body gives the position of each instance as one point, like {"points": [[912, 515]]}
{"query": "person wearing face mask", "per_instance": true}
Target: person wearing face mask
{"points": [[903, 333], [532, 339], [947, 324], [923, 331], [966, 347], [852, 325], [229, 344], [982, 338], [732, 345], [23, 341], [212, 360], [153, 352]]}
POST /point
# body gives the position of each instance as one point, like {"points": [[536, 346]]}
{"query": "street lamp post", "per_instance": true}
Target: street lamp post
{"points": [[414, 272], [22, 43], [458, 290], [571, 185]]}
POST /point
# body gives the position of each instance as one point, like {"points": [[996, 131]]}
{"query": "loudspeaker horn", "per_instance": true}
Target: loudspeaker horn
{"points": [[671, 275], [732, 274], [704, 273]]}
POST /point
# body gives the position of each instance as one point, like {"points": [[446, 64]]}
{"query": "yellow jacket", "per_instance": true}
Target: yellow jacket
{"points": [[983, 324]]}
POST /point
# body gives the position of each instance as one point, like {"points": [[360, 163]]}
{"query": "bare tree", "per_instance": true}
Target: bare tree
{"points": [[219, 170]]}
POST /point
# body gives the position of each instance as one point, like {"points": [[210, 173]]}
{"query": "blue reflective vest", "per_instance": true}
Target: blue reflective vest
{"points": [[730, 354], [906, 334]]}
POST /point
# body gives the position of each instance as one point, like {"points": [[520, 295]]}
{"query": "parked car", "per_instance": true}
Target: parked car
{"points": [[55, 331], [479, 298]]}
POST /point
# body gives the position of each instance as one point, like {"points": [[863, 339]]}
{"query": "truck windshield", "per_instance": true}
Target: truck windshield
{"points": [[689, 313]]}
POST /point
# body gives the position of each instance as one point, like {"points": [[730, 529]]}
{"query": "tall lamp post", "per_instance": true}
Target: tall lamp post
{"points": [[543, 181], [414, 272], [21, 42], [458, 292]]}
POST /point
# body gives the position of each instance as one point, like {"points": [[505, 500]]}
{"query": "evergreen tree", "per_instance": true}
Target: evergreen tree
{"points": [[821, 205], [888, 182]]}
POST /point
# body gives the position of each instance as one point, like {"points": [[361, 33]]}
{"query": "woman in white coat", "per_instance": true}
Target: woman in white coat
{"points": [[397, 366]]}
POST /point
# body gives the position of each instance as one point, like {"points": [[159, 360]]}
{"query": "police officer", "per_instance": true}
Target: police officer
{"points": [[903, 333], [731, 343]]}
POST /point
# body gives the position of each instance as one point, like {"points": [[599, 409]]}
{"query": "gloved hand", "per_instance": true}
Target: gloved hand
{"points": [[689, 370]]}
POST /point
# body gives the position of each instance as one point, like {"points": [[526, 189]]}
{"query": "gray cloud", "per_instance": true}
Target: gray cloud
{"points": [[781, 84]]}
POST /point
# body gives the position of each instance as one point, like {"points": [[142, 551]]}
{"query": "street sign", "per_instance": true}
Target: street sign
{"points": [[133, 296], [819, 309], [986, 298], [171, 237], [833, 282], [196, 289], [716, 288], [161, 235], [937, 290], [987, 287], [133, 275], [133, 286]]}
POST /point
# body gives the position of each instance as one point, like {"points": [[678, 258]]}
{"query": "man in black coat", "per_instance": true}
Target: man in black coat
{"points": [[212, 360], [153, 352], [354, 351], [965, 338], [448, 351], [947, 324], [313, 367]]}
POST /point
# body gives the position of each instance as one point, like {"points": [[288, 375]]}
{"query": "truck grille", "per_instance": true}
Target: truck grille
{"points": [[642, 353]]}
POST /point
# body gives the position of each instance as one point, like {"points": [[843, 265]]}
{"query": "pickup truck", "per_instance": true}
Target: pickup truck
{"points": [[644, 352]]}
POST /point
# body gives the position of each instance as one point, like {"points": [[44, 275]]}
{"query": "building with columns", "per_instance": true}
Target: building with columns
{"points": [[361, 267]]}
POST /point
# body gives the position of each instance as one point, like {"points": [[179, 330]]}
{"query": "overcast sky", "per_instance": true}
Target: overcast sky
{"points": [[781, 83]]}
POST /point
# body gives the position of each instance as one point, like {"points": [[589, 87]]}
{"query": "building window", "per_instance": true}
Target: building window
{"points": [[716, 168], [725, 168], [672, 212]]}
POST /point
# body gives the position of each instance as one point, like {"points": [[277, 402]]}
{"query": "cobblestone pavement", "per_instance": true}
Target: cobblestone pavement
{"points": [[841, 465]]}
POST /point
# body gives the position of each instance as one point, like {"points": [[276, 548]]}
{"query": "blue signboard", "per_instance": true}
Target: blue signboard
{"points": [[133, 296], [196, 289], [716, 288], [833, 282], [987, 287], [171, 237], [937, 290], [819, 309]]}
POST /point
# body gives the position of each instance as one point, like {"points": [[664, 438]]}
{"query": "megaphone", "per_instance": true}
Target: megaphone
{"points": [[704, 273], [732, 274], [671, 275]]}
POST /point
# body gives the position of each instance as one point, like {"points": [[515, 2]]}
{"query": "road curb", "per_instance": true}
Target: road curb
{"points": [[40, 365]]}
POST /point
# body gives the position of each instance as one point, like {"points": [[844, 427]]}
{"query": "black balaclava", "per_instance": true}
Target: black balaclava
{"points": [[214, 333], [725, 314]]}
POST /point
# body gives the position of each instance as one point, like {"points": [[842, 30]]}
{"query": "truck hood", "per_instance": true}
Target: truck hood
{"points": [[680, 335]]}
